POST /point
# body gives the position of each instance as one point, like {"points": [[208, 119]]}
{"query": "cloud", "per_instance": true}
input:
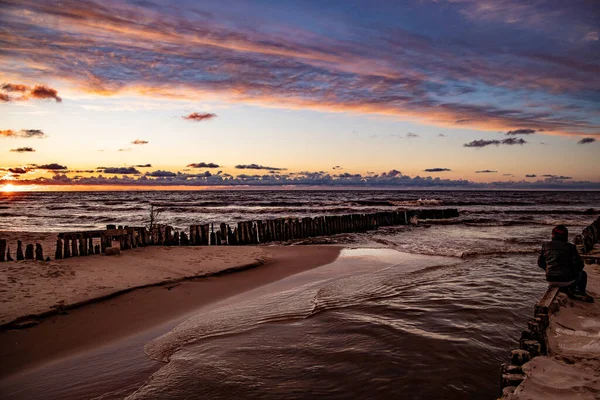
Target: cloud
{"points": [[337, 167], [13, 87], [138, 141], [126, 149], [486, 171], [587, 140], [437, 169], [161, 173], [199, 116], [4, 97], [23, 150], [44, 92], [512, 141], [203, 165], [557, 177], [483, 143], [23, 133], [52, 167], [120, 170], [144, 166], [392, 179], [441, 135], [531, 176], [28, 92], [411, 135], [426, 75], [18, 170], [523, 131], [256, 166]]}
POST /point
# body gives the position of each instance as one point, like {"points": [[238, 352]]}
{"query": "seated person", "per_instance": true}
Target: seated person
{"points": [[563, 265]]}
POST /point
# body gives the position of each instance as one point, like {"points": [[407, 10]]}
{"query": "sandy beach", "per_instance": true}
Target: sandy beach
{"points": [[65, 306]]}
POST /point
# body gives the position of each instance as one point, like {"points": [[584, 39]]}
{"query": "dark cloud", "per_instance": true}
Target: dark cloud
{"points": [[23, 133], [44, 92], [18, 170], [14, 87], [531, 176], [27, 92], [523, 131], [441, 135], [199, 116], [486, 171], [256, 166], [411, 135], [336, 167], [512, 141], [120, 170], [203, 165], [587, 140], [52, 167], [161, 173], [557, 177], [437, 169], [138, 141], [144, 166], [483, 143], [23, 150], [86, 171], [4, 97]]}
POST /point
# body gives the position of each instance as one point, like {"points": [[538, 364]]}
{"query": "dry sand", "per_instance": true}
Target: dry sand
{"points": [[33, 288], [175, 281], [572, 369]]}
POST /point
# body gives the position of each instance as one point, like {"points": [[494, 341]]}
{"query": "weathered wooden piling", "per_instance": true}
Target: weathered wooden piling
{"points": [[59, 248], [74, 249], [82, 245], [8, 256], [20, 251], [90, 245], [66, 247], [39, 253], [29, 252], [2, 249]]}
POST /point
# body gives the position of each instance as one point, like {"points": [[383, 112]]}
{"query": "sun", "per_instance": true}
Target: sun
{"points": [[8, 188]]}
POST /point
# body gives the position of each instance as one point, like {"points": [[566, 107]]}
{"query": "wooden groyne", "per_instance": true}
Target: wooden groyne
{"points": [[534, 339], [84, 243]]}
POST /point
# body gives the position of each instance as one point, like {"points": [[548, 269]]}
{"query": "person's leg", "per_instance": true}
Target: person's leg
{"points": [[581, 282]]}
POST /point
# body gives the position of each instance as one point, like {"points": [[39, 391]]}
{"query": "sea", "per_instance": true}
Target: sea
{"points": [[426, 311]]}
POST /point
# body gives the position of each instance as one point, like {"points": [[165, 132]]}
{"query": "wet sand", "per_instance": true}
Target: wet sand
{"points": [[92, 325]]}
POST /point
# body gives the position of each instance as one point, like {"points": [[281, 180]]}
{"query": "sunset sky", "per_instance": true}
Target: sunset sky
{"points": [[477, 93]]}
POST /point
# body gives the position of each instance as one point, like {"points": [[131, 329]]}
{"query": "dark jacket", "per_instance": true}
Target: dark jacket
{"points": [[560, 260]]}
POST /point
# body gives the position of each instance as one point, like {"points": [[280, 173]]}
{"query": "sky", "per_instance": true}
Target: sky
{"points": [[402, 94]]}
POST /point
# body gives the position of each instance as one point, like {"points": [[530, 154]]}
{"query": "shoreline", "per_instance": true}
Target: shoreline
{"points": [[134, 310]]}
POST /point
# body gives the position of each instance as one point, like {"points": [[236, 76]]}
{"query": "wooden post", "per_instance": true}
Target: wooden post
{"points": [[230, 236], [74, 251], [205, 234], [213, 235], [90, 245], [184, 240], [223, 230], [2, 249], [39, 253], [175, 240], [97, 249], [82, 245], [8, 256], [29, 252], [59, 248], [20, 251]]}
